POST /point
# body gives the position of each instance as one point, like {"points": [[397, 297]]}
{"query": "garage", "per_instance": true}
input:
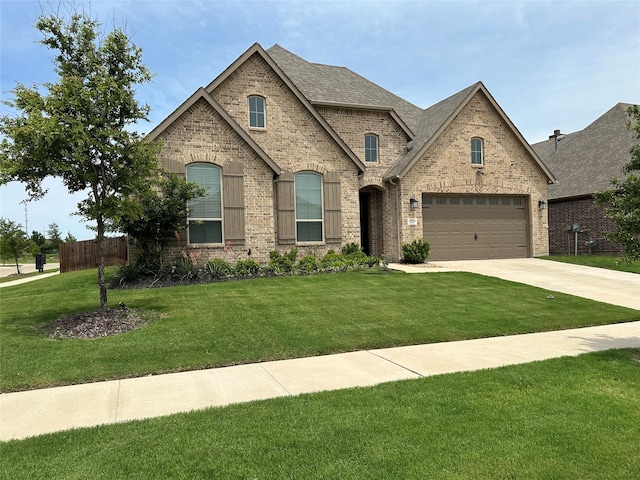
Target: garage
{"points": [[475, 227]]}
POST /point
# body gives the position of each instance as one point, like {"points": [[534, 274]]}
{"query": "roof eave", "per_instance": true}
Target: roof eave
{"points": [[257, 48], [379, 108], [201, 93]]}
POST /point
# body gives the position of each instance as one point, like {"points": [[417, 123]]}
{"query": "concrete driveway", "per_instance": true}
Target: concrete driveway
{"points": [[609, 286]]}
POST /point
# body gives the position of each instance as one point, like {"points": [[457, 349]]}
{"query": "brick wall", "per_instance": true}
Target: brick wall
{"points": [[508, 167], [593, 225], [293, 138]]}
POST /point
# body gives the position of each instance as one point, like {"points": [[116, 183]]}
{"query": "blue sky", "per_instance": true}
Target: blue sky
{"points": [[549, 64]]}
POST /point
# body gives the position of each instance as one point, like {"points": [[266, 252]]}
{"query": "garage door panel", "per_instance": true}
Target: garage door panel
{"points": [[475, 227]]}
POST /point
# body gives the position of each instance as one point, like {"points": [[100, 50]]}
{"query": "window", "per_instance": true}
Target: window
{"points": [[308, 186], [370, 148], [205, 214], [476, 151], [256, 112]]}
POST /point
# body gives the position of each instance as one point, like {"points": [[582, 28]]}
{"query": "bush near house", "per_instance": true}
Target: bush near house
{"points": [[416, 251], [186, 268]]}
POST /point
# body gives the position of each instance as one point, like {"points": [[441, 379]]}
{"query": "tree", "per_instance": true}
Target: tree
{"points": [[623, 201], [162, 212], [39, 241], [54, 236], [79, 130], [70, 238], [13, 242]]}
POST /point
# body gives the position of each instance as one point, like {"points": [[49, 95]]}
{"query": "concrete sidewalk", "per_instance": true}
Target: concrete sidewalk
{"points": [[36, 412], [7, 271]]}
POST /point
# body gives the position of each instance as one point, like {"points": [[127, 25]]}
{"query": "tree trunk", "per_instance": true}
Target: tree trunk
{"points": [[101, 281]]}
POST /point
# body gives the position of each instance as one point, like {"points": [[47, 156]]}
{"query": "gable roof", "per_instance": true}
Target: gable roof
{"points": [[587, 160], [339, 86], [202, 94], [257, 49], [437, 118]]}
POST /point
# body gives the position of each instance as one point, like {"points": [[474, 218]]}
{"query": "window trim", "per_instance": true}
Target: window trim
{"points": [[258, 113], [207, 219], [481, 142], [369, 149], [321, 220]]}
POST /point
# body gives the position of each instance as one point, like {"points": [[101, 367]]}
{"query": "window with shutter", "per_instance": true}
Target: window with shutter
{"points": [[205, 214]]}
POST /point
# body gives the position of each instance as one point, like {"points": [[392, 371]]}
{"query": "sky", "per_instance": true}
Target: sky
{"points": [[549, 64]]}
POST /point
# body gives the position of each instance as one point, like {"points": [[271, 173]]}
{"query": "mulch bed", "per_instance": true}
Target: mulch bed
{"points": [[96, 324]]}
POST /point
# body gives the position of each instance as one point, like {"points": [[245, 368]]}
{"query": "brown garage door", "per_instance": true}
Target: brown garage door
{"points": [[474, 227]]}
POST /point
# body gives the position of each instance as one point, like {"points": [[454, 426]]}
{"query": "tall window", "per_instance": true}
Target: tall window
{"points": [[370, 148], [476, 151], [205, 214], [256, 112], [308, 207]]}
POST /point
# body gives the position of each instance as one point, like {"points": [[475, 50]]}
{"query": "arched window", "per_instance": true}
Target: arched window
{"points": [[477, 154], [205, 213], [370, 148], [308, 188], [256, 112]]}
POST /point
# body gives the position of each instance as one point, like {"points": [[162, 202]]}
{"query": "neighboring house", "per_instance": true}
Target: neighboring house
{"points": [[315, 156], [584, 162]]}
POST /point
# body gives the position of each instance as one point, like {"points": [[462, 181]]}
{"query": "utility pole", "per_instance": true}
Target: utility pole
{"points": [[26, 216]]}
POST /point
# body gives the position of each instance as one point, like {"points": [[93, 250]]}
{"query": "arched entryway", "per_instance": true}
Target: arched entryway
{"points": [[371, 219]]}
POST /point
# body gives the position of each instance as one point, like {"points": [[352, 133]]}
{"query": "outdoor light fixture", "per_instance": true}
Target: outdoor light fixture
{"points": [[413, 203], [542, 205]]}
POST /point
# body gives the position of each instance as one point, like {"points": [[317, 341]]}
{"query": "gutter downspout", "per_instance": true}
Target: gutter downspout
{"points": [[398, 213]]}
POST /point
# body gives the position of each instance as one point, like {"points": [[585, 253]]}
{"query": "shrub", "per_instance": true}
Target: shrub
{"points": [[309, 264], [219, 268], [416, 251], [351, 248], [128, 273], [185, 266], [247, 268], [332, 261], [280, 264]]}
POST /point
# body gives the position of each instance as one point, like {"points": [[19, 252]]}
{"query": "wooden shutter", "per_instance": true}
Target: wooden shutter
{"points": [[332, 208], [174, 166], [286, 198], [233, 202]]}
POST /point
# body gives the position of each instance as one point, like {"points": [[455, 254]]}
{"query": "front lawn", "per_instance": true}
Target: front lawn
{"points": [[566, 418], [270, 318], [600, 261]]}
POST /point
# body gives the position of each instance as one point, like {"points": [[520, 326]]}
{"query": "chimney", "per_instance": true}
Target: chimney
{"points": [[556, 134]]}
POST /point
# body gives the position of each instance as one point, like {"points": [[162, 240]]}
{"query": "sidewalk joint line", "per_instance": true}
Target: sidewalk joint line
{"points": [[274, 378], [396, 363]]}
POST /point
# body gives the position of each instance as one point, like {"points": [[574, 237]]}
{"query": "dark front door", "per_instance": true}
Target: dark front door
{"points": [[365, 232]]}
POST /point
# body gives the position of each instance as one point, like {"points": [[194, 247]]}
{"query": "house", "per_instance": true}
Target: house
{"points": [[301, 154], [584, 162]]}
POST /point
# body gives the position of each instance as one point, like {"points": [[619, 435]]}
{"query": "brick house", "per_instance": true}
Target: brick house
{"points": [[584, 162], [315, 156]]}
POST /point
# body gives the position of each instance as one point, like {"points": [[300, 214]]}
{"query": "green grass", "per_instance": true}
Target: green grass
{"points": [[270, 318], [565, 418], [609, 262], [12, 278]]}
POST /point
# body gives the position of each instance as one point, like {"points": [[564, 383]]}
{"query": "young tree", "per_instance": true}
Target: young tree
{"points": [[79, 130], [70, 238], [623, 201], [162, 213], [54, 236], [13, 242], [39, 241]]}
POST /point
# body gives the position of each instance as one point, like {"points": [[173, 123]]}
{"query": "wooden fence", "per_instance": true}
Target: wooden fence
{"points": [[82, 255]]}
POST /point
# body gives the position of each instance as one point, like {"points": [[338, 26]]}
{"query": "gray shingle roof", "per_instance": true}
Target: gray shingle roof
{"points": [[586, 161], [326, 84], [429, 124], [329, 84]]}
